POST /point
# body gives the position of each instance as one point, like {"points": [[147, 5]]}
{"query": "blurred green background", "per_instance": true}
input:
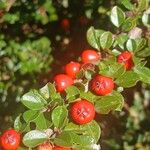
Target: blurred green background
{"points": [[38, 37]]}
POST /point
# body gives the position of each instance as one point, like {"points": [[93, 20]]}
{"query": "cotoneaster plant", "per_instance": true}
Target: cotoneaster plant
{"points": [[62, 113]]}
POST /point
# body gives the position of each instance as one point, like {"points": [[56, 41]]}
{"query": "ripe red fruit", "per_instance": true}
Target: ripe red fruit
{"points": [[10, 140], [101, 85], [89, 56], [125, 58], [72, 68], [62, 81], [65, 24], [61, 148], [45, 146], [82, 112]]}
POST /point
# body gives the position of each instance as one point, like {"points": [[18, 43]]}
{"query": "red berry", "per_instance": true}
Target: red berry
{"points": [[61, 148], [45, 146], [89, 56], [101, 85], [65, 24], [125, 58], [82, 112], [62, 81], [72, 68], [10, 140]]}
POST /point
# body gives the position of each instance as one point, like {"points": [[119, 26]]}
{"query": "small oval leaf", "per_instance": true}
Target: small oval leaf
{"points": [[59, 116], [34, 138], [117, 16], [33, 100], [106, 40]]}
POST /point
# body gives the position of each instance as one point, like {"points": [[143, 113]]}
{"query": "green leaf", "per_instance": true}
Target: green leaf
{"points": [[33, 100], [74, 127], [93, 37], [88, 96], [90, 129], [113, 70], [106, 40], [45, 91], [117, 16], [64, 139], [128, 79], [128, 24], [93, 130], [108, 103], [69, 139], [30, 115], [17, 123], [40, 122], [128, 4], [144, 52], [82, 140], [34, 138], [49, 91], [143, 73], [121, 39], [131, 45], [141, 5], [140, 42], [146, 18], [59, 115], [72, 93]]}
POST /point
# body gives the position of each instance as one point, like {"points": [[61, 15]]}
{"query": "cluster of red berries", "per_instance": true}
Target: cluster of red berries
{"points": [[82, 111]]}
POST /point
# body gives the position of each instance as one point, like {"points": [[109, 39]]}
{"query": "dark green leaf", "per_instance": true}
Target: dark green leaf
{"points": [[106, 40], [117, 16], [143, 73], [72, 93], [59, 115], [108, 103], [128, 79], [34, 138], [33, 100]]}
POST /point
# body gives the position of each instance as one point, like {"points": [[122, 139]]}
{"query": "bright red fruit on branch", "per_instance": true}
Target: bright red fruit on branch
{"points": [[10, 140], [82, 112], [65, 24], [72, 68], [62, 81], [61, 148], [101, 85], [125, 58], [89, 56], [45, 146]]}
